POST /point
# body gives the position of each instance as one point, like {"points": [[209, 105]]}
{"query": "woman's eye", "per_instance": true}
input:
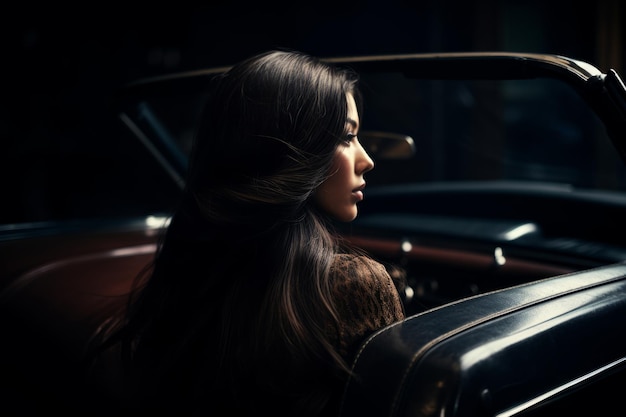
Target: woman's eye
{"points": [[348, 138]]}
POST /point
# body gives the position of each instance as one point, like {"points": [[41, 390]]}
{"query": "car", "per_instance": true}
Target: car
{"points": [[499, 188]]}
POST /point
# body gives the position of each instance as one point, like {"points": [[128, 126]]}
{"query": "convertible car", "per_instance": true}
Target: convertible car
{"points": [[500, 189]]}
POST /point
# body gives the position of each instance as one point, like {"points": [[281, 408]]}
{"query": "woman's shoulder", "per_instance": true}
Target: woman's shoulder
{"points": [[366, 298], [362, 278], [352, 273], [357, 266]]}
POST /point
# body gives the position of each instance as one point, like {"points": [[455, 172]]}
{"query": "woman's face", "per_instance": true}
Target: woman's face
{"points": [[339, 194]]}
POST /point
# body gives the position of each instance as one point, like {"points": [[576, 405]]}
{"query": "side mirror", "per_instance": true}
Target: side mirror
{"points": [[385, 145]]}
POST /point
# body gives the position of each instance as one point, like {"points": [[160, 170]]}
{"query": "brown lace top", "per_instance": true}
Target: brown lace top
{"points": [[367, 297]]}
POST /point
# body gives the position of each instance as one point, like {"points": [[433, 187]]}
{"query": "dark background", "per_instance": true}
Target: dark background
{"points": [[61, 64], [63, 61]]}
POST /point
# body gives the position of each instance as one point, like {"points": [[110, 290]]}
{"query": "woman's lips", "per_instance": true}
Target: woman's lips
{"points": [[358, 192]]}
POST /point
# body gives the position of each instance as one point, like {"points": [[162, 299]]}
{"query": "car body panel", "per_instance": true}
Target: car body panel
{"points": [[500, 353]]}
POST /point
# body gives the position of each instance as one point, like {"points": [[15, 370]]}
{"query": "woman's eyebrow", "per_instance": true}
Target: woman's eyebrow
{"points": [[352, 122]]}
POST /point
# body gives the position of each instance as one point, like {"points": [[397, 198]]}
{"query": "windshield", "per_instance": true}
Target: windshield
{"points": [[536, 130]]}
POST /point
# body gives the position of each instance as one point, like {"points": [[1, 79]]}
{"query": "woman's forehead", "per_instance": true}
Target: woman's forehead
{"points": [[353, 113]]}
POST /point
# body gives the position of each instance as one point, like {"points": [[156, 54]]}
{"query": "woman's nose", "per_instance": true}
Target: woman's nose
{"points": [[363, 161]]}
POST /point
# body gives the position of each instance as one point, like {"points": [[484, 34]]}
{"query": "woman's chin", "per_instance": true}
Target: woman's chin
{"points": [[347, 217]]}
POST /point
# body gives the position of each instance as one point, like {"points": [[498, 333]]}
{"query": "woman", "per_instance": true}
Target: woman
{"points": [[253, 305]]}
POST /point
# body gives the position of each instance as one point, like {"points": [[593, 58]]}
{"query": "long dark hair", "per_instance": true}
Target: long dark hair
{"points": [[238, 305]]}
